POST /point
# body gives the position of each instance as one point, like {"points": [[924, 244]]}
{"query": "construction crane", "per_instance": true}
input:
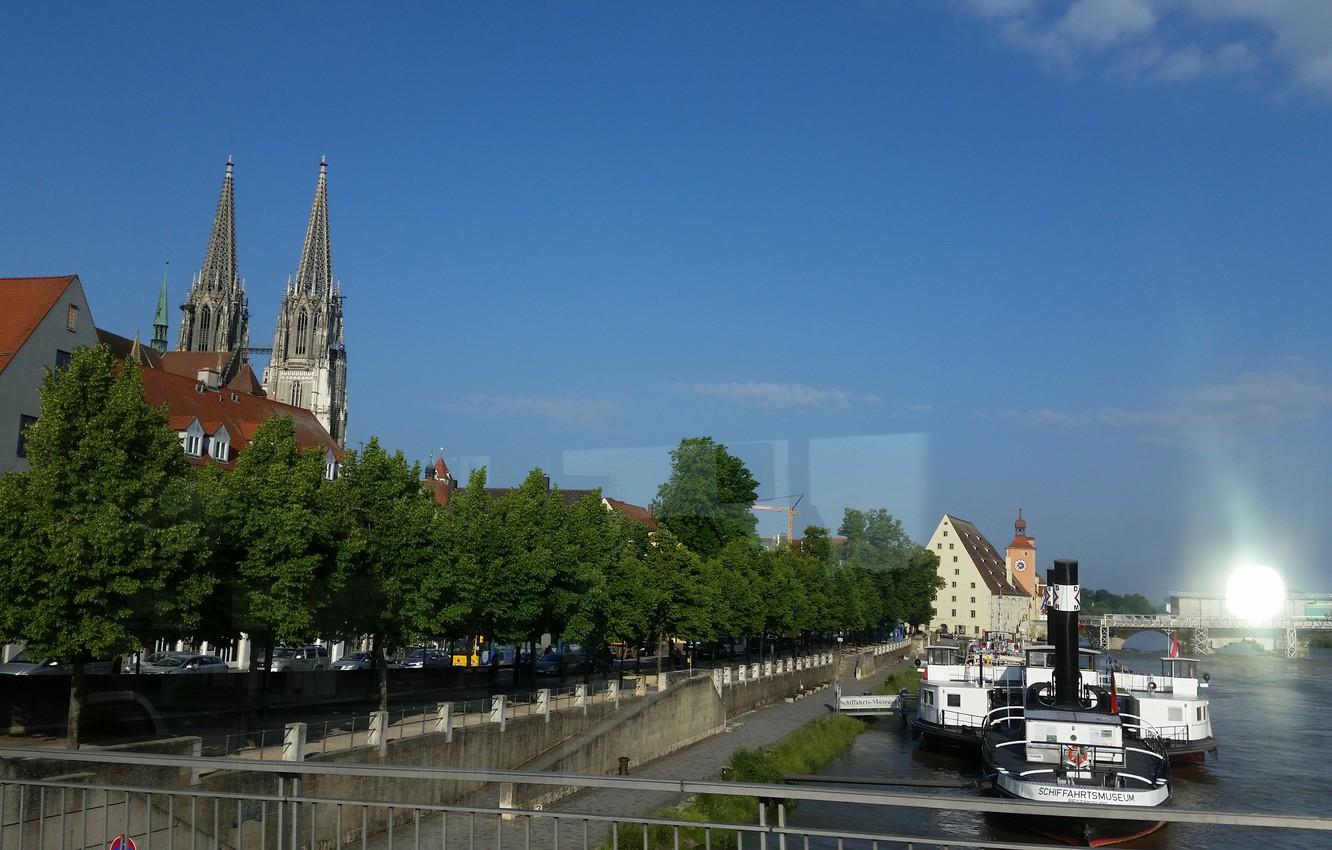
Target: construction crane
{"points": [[790, 512]]}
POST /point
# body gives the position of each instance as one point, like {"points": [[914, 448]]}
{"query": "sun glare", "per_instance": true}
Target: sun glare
{"points": [[1255, 592]]}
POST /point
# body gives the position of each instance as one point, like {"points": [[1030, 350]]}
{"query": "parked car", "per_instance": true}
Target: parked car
{"points": [[25, 665], [419, 659], [357, 661], [182, 662], [550, 664], [299, 658]]}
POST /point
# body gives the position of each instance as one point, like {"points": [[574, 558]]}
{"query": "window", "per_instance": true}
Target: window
{"points": [[973, 600], [954, 613], [25, 422], [954, 598], [72, 317], [205, 320], [954, 700], [331, 470], [957, 572], [302, 328], [950, 545], [945, 532], [1176, 714], [62, 359], [193, 445], [954, 584], [220, 450], [938, 545], [973, 615], [954, 559], [296, 394], [973, 585]]}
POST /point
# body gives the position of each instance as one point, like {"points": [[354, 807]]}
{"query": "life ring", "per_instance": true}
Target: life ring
{"points": [[1076, 755], [1151, 687]]}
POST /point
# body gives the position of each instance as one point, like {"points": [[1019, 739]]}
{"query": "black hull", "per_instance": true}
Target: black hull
{"points": [[947, 736], [1079, 831], [1191, 752]]}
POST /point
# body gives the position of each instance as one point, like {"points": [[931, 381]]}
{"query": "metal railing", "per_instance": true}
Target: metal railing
{"points": [[72, 807]]}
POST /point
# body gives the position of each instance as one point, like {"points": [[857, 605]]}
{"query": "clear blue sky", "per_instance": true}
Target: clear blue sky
{"points": [[929, 256]]}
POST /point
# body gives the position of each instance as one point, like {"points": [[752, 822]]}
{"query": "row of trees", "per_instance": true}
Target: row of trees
{"points": [[112, 541]]}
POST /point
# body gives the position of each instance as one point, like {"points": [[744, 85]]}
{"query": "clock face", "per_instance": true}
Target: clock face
{"points": [[1020, 565]]}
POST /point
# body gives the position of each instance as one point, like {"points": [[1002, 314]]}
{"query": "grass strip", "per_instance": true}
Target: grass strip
{"points": [[803, 751], [909, 679]]}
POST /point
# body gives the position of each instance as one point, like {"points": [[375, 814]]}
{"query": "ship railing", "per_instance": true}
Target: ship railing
{"points": [[960, 719]]}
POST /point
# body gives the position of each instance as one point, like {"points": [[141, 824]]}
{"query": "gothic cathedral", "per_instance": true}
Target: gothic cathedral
{"points": [[308, 367], [309, 364]]}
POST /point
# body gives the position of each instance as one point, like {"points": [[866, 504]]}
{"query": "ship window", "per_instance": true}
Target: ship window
{"points": [[1176, 714], [954, 700], [1200, 712]]}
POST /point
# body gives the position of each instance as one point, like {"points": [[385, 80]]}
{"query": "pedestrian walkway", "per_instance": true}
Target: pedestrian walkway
{"points": [[762, 727]]}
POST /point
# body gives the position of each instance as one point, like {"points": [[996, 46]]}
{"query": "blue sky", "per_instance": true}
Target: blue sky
{"points": [[929, 256]]}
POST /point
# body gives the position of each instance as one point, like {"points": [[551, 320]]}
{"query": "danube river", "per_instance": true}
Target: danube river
{"points": [[1272, 717]]}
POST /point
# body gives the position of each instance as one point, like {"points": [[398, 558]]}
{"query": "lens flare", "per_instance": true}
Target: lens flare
{"points": [[1255, 592]]}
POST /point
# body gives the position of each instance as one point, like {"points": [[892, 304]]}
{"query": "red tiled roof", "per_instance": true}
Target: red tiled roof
{"points": [[241, 413], [191, 363], [1022, 541], [246, 381], [24, 302], [640, 515], [121, 347]]}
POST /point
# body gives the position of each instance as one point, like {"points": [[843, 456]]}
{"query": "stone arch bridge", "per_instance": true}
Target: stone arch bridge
{"points": [[1204, 635]]}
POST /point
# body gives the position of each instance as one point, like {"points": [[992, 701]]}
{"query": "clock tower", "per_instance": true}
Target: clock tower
{"points": [[1020, 557]]}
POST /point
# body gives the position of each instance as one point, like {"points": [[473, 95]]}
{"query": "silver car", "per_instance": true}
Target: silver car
{"points": [[182, 662], [299, 658]]}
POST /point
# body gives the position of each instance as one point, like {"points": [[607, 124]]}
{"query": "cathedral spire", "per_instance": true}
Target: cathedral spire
{"points": [[315, 272], [219, 268], [216, 313], [160, 319]]}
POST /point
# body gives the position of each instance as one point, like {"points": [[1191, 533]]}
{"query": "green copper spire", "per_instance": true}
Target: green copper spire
{"points": [[160, 320]]}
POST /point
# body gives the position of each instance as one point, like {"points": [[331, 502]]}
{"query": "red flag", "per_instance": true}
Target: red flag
{"points": [[1114, 698], [1174, 646]]}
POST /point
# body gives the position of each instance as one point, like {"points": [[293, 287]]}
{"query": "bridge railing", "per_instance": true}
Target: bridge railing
{"points": [[82, 799]]}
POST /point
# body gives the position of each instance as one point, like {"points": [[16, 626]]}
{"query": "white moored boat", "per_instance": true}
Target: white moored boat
{"points": [[1068, 745], [1172, 704]]}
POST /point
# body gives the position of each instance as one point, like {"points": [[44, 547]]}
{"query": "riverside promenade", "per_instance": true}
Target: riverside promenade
{"points": [[762, 727]]}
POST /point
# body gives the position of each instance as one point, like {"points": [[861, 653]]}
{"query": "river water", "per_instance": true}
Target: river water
{"points": [[1271, 716]]}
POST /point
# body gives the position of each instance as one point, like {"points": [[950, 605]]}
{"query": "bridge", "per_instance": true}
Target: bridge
{"points": [[1206, 633]]}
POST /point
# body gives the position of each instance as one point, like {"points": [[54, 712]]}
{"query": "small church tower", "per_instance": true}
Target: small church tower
{"points": [[309, 364], [1020, 557], [160, 319], [216, 314]]}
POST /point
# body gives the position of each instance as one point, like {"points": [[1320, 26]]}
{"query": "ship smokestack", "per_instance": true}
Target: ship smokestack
{"points": [[1063, 624]]}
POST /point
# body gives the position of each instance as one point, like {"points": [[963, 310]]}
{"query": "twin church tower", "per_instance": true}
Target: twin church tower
{"points": [[308, 367]]}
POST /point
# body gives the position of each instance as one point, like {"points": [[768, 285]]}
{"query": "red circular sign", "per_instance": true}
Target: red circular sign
{"points": [[123, 842]]}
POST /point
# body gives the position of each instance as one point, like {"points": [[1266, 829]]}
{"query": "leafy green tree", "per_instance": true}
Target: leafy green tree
{"points": [[676, 594], [275, 525], [468, 546], [706, 502], [734, 580], [817, 544], [875, 540], [385, 550], [100, 539]]}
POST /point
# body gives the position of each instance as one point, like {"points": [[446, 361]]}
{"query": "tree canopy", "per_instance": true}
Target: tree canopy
{"points": [[706, 503]]}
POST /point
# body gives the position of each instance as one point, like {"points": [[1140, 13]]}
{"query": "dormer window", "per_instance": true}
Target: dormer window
{"points": [[330, 466], [192, 439], [220, 445]]}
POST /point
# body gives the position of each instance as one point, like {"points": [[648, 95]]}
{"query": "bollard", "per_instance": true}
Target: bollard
{"points": [[543, 703], [497, 710], [741, 673], [624, 765], [662, 682], [378, 736], [767, 668], [580, 697], [754, 671], [444, 720], [640, 685], [727, 677], [717, 680], [613, 692]]}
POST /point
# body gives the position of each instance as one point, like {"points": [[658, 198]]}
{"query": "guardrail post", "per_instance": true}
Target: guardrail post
{"points": [[444, 720], [767, 668], [741, 673], [613, 692], [754, 671], [293, 742], [640, 685], [378, 736], [727, 677], [497, 710], [790, 665], [717, 680], [543, 703], [580, 697]]}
